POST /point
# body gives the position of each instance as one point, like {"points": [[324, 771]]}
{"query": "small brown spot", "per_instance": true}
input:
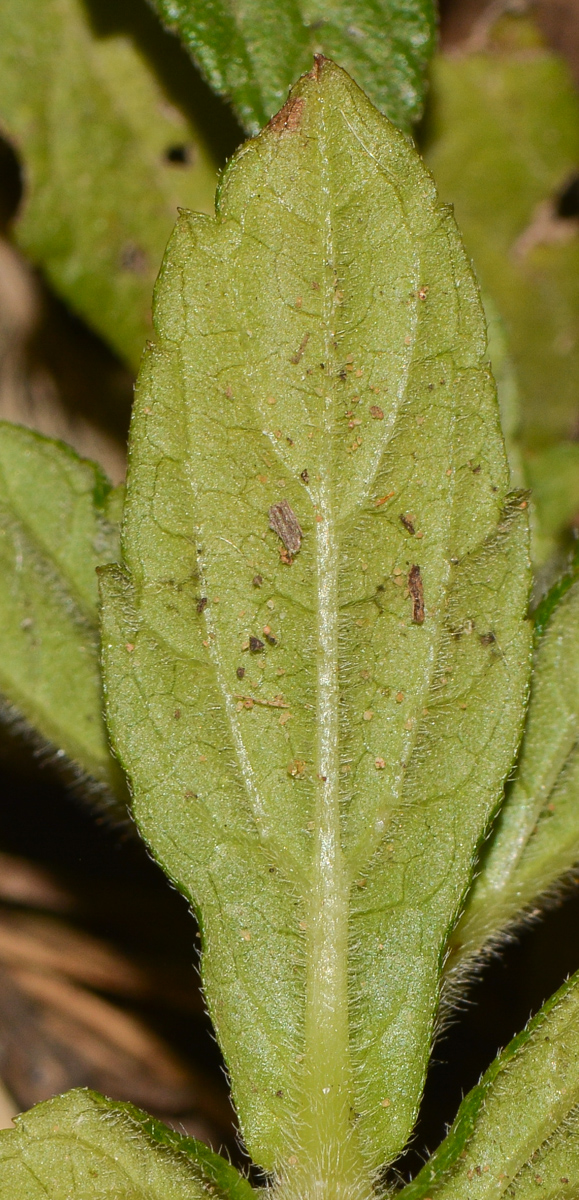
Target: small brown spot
{"points": [[305, 476], [255, 645], [240, 672], [376, 412], [379, 763], [408, 522], [382, 500], [257, 580], [268, 635], [487, 639], [368, 714], [129, 647], [295, 358], [399, 697], [246, 935], [289, 118], [201, 603], [417, 592], [285, 557], [296, 768], [177, 714], [283, 521], [279, 1092], [422, 292], [385, 1103]]}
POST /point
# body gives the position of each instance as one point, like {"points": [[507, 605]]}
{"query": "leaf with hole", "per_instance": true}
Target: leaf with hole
{"points": [[94, 130], [317, 725]]}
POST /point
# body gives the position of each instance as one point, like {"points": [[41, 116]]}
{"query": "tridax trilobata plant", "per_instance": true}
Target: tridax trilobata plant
{"points": [[317, 661]]}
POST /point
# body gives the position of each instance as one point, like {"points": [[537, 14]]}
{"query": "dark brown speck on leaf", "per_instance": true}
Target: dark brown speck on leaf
{"points": [[417, 592], [304, 475], [255, 645], [283, 521], [257, 580], [240, 672], [201, 603], [407, 522], [295, 358]]}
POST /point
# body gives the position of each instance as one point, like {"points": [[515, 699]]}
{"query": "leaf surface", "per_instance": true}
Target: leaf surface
{"points": [[58, 522], [503, 144], [516, 1133], [81, 1146], [316, 654], [536, 839], [252, 52], [93, 126]]}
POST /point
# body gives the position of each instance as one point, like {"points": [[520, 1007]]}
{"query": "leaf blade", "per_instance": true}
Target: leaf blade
{"points": [[84, 1145], [54, 532], [535, 841], [252, 54], [298, 806], [509, 1128]]}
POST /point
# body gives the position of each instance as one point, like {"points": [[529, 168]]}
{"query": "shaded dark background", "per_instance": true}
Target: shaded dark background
{"points": [[67, 872]]}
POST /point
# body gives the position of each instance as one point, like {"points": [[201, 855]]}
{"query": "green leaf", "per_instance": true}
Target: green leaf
{"points": [[507, 391], [316, 454], [92, 125], [58, 522], [516, 1133], [503, 141], [81, 1146], [536, 839], [252, 53]]}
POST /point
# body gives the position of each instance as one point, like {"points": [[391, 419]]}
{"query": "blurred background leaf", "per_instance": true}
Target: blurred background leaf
{"points": [[59, 521], [502, 138], [107, 157], [252, 53]]}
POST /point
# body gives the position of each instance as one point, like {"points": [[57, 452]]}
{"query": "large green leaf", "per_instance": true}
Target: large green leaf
{"points": [[316, 655], [503, 141], [81, 1146], [93, 126], [58, 522], [536, 839], [516, 1133], [252, 52]]}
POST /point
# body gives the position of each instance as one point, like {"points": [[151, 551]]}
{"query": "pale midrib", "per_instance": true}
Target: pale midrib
{"points": [[327, 1084]]}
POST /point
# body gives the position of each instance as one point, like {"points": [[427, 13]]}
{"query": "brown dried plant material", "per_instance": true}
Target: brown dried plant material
{"points": [[283, 521], [416, 590]]}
